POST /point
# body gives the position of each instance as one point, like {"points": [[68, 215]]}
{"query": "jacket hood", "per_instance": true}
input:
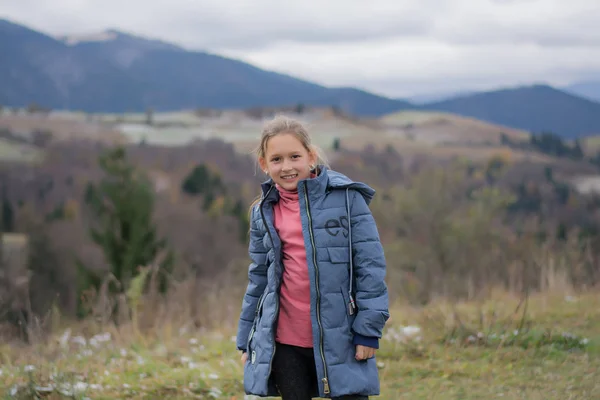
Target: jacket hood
{"points": [[338, 180], [328, 179]]}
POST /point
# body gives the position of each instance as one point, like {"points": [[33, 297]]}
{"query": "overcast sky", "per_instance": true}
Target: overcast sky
{"points": [[392, 47]]}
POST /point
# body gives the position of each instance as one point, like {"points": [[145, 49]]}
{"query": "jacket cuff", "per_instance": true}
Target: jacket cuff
{"points": [[372, 342]]}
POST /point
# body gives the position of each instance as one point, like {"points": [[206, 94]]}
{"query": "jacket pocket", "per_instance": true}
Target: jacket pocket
{"points": [[339, 255], [257, 315]]}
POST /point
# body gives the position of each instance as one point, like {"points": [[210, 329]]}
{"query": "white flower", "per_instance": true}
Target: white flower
{"points": [[411, 330], [404, 334], [45, 389], [80, 387], [29, 368], [87, 353], [64, 339], [193, 341], [213, 376], [100, 338], [80, 340]]}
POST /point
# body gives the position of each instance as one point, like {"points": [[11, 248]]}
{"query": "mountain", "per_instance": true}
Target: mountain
{"points": [[114, 71], [535, 108], [118, 47], [117, 72], [431, 97], [588, 89]]}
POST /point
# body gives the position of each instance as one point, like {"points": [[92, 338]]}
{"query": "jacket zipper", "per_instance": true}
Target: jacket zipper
{"points": [[262, 215], [312, 240]]}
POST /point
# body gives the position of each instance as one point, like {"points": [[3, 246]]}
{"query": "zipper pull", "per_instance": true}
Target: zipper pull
{"points": [[326, 386], [351, 306]]}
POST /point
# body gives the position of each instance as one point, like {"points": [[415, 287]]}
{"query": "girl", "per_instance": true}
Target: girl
{"points": [[316, 301]]}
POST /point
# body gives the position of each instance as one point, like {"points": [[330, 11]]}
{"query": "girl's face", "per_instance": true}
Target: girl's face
{"points": [[287, 161]]}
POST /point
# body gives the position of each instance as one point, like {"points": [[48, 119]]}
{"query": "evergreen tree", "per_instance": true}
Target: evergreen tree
{"points": [[122, 206]]}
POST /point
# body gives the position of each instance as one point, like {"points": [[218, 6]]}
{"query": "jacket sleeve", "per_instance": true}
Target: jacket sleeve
{"points": [[257, 281], [369, 274]]}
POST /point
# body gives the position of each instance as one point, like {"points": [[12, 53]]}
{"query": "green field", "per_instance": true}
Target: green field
{"points": [[556, 357]]}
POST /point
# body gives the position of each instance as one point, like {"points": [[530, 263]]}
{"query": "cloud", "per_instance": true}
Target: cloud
{"points": [[401, 68], [214, 24], [393, 47], [546, 23]]}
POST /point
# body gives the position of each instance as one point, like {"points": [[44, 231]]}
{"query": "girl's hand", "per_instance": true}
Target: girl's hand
{"points": [[244, 357], [364, 352]]}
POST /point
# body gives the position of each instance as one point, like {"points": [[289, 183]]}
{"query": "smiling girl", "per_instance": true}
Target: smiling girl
{"points": [[316, 302]]}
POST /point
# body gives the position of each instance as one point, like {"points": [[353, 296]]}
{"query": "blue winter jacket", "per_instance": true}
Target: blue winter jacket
{"points": [[326, 203]]}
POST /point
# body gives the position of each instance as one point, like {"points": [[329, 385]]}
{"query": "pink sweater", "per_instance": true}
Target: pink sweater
{"points": [[294, 324]]}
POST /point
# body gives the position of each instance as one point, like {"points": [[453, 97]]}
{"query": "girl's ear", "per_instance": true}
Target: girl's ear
{"points": [[313, 158], [263, 164]]}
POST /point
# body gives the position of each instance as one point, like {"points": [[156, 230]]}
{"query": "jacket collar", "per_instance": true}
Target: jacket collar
{"points": [[324, 181], [316, 186]]}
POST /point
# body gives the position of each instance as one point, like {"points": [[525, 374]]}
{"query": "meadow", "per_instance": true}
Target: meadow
{"points": [[544, 348]]}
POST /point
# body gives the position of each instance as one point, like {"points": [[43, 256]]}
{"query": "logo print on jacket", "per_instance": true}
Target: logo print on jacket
{"points": [[335, 225]]}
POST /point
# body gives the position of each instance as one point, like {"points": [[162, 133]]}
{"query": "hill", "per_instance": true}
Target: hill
{"points": [[534, 108], [117, 72], [587, 89]]}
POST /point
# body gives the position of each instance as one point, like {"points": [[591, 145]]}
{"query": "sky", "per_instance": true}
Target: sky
{"points": [[396, 48]]}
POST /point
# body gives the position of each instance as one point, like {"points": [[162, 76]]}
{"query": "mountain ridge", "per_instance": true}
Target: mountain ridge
{"points": [[115, 71]]}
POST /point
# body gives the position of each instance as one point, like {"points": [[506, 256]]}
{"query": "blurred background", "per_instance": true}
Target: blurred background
{"points": [[127, 130]]}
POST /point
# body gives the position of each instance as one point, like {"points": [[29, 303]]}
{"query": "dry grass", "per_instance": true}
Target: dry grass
{"points": [[553, 356], [451, 127], [62, 127]]}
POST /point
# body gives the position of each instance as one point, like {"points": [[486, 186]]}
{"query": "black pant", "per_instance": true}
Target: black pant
{"points": [[295, 374]]}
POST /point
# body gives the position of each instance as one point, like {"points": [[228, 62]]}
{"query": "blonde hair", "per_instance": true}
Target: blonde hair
{"points": [[281, 124]]}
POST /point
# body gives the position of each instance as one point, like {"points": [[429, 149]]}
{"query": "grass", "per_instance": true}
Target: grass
{"points": [[413, 117], [553, 356]]}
